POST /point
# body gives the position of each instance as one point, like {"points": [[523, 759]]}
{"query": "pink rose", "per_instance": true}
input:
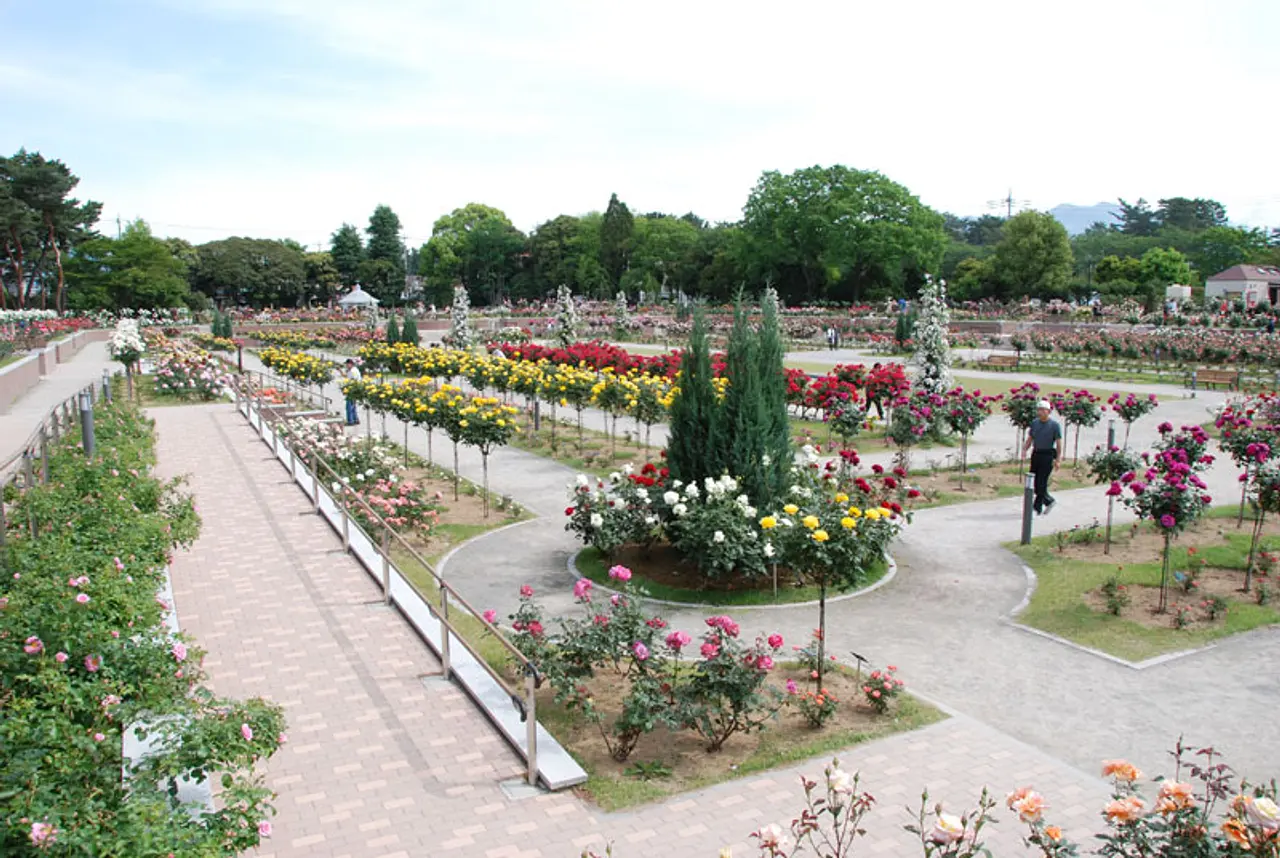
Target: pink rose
{"points": [[620, 573], [247, 732], [582, 589], [775, 641], [61, 658], [641, 651], [710, 650], [526, 591], [678, 640], [490, 616]]}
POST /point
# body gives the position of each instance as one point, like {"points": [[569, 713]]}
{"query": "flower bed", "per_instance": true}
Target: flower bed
{"points": [[1073, 577], [85, 655]]}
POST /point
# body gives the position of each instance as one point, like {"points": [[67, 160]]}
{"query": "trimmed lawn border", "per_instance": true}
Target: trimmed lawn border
{"points": [[588, 563], [1054, 606]]}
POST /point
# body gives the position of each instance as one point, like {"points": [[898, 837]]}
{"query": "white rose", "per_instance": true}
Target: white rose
{"points": [[628, 469], [743, 500], [717, 537], [1263, 813], [766, 460], [751, 535], [749, 511], [650, 519], [597, 520], [614, 477], [947, 829], [679, 510], [840, 782], [671, 498], [583, 481], [642, 493], [709, 484], [771, 836], [691, 490], [768, 549]]}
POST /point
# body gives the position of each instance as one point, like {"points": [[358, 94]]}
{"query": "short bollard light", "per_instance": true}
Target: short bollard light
{"points": [[106, 386], [1028, 494], [86, 423]]}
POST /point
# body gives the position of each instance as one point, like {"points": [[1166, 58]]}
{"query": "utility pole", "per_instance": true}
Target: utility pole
{"points": [[117, 227]]}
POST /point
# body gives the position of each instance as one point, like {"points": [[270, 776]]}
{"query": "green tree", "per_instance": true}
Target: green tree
{"points": [[615, 240], [1113, 268], [744, 419], [555, 248], [135, 271], [386, 245], [393, 332], [838, 233], [775, 421], [659, 246], [255, 271], [695, 448], [1033, 257], [1164, 266], [347, 250], [382, 279], [1220, 247], [323, 278], [42, 223], [482, 263], [1137, 218], [1191, 215]]}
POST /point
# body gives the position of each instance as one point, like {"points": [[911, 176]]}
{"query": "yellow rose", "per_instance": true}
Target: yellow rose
{"points": [[810, 521], [848, 523], [854, 512], [820, 536], [791, 509], [768, 522], [873, 514], [842, 498]]}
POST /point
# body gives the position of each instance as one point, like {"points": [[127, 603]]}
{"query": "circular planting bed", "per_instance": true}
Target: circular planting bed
{"points": [[660, 573]]}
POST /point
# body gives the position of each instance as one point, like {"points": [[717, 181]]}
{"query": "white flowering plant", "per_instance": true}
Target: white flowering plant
{"points": [[608, 516], [714, 526], [933, 351], [460, 335], [126, 344], [566, 321]]}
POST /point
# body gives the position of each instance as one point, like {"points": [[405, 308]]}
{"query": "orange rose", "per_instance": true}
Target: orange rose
{"points": [[1016, 796], [1121, 770], [1124, 810], [1031, 807], [1053, 832], [1236, 831], [1174, 796]]}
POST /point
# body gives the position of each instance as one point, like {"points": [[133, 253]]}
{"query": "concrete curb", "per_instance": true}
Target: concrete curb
{"points": [[890, 573]]}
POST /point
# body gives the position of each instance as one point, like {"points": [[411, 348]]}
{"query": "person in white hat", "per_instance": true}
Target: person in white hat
{"points": [[1044, 440]]}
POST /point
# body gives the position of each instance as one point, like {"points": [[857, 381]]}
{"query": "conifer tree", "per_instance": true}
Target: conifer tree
{"points": [[745, 420], [694, 446], [775, 425], [409, 333], [393, 333]]}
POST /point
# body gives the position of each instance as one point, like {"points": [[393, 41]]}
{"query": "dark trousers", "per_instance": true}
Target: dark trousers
{"points": [[1041, 468], [874, 402]]}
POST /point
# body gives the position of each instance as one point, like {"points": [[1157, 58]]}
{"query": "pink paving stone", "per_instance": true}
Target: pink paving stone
{"points": [[267, 587]]}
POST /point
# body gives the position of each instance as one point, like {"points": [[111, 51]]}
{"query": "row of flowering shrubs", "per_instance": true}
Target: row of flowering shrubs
{"points": [[1204, 809], [715, 685], [369, 468], [85, 657], [185, 371], [299, 366]]}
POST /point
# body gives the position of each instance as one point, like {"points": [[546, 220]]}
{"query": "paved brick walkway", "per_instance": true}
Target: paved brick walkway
{"points": [[385, 759]]}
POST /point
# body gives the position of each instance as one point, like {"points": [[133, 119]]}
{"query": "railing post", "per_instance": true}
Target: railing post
{"points": [[368, 424], [315, 479], [106, 385], [44, 456], [531, 724], [86, 423], [4, 526], [28, 481], [445, 668], [346, 518], [386, 564]]}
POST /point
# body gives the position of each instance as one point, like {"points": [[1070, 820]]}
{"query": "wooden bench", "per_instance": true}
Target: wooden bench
{"points": [[1000, 362], [1208, 377]]}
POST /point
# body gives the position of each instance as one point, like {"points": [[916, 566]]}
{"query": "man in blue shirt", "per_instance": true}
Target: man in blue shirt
{"points": [[1044, 440]]}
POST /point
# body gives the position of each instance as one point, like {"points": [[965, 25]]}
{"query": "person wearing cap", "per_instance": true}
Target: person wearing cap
{"points": [[1044, 440], [353, 373]]}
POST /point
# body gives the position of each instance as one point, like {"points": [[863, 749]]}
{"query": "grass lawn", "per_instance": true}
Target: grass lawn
{"points": [[595, 455], [653, 577], [1065, 601], [5, 360]]}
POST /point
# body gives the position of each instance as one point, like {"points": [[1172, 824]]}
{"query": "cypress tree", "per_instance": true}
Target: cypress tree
{"points": [[409, 333], [745, 420], [775, 425], [393, 333], [694, 448]]}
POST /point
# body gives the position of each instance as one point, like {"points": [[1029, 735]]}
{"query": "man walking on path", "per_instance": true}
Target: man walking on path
{"points": [[353, 373], [1044, 440]]}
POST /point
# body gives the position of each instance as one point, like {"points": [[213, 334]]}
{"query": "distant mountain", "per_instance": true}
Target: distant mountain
{"points": [[1079, 218]]}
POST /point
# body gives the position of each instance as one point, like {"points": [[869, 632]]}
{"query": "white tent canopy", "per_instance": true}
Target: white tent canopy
{"points": [[357, 297]]}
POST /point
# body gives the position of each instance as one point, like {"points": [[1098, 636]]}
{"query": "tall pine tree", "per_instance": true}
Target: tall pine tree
{"points": [[615, 238], [695, 447], [347, 251], [775, 426], [745, 420]]}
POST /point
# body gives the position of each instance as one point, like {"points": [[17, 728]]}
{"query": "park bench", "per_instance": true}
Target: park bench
{"points": [[1000, 362], [1208, 377]]}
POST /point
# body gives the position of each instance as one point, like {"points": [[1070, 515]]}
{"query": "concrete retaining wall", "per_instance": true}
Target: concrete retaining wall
{"points": [[19, 377]]}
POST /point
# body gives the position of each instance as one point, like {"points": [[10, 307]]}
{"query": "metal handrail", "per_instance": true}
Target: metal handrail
{"points": [[68, 408], [347, 497]]}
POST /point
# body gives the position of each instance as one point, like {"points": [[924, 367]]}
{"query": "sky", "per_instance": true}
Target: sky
{"points": [[286, 118]]}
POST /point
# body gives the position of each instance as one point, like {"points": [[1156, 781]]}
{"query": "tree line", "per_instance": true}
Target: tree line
{"points": [[818, 234]]}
